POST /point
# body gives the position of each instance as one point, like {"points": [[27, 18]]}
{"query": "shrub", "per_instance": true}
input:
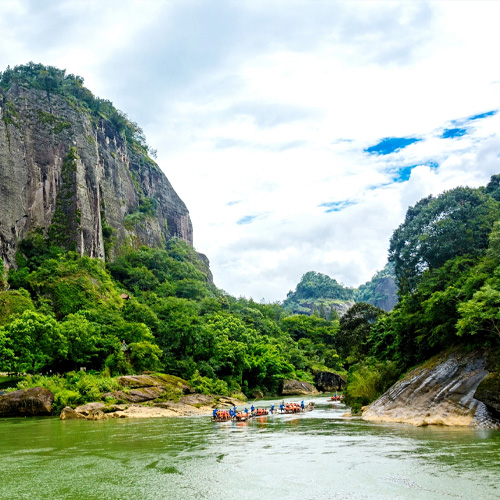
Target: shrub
{"points": [[366, 382]]}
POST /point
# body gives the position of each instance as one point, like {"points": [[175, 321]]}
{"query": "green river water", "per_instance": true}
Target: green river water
{"points": [[315, 455]]}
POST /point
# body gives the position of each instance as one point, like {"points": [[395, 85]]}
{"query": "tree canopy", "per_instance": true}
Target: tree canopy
{"points": [[436, 229]]}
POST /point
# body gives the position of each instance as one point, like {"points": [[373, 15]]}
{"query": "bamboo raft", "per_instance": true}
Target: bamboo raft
{"points": [[227, 416]]}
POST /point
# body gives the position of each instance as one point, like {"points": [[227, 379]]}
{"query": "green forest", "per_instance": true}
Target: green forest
{"points": [[157, 310], [151, 309], [63, 311]]}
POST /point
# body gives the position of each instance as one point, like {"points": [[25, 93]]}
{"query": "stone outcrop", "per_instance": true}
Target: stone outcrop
{"points": [[69, 413], [442, 392], [36, 401], [329, 382], [386, 294], [106, 186], [142, 388], [141, 381], [295, 387], [137, 395]]}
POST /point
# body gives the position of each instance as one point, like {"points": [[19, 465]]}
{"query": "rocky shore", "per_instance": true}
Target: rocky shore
{"points": [[447, 390], [194, 404], [146, 396]]}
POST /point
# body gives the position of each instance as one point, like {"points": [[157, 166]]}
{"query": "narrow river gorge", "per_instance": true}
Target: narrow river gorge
{"points": [[314, 455]]}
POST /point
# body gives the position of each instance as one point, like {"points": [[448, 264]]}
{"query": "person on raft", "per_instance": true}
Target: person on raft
{"points": [[214, 414], [302, 404], [272, 409]]}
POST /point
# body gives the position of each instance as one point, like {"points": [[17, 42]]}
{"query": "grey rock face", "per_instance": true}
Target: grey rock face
{"points": [[441, 392], [386, 294], [36, 401], [104, 186]]}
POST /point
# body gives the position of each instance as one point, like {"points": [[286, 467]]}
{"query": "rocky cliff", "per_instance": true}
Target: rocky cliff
{"points": [[442, 391], [381, 291], [74, 175]]}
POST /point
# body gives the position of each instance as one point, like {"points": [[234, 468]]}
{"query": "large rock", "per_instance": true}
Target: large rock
{"points": [[106, 185], [295, 387], [69, 413], [329, 382], [36, 401], [160, 380], [142, 388], [90, 411], [137, 395], [442, 391], [386, 294]]}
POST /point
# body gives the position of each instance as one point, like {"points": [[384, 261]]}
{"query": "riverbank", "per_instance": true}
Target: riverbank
{"points": [[190, 405], [442, 391], [81, 395]]}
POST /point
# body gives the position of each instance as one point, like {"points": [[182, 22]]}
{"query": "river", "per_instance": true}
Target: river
{"points": [[315, 455]]}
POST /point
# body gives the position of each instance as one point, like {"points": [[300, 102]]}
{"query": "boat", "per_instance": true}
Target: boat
{"points": [[221, 416], [241, 417], [260, 412], [294, 408]]}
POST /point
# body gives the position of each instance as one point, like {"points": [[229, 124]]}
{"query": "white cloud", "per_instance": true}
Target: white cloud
{"points": [[271, 105]]}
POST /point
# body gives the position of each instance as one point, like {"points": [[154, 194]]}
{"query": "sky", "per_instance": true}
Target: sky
{"points": [[297, 132]]}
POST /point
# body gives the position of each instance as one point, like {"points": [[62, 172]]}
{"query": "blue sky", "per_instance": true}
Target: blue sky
{"points": [[296, 132]]}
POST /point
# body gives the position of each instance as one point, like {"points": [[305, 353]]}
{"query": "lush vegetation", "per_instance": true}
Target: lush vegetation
{"points": [[446, 257], [155, 309], [64, 311]]}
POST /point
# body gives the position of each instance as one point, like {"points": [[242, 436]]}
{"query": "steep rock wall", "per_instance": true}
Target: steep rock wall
{"points": [[105, 184]]}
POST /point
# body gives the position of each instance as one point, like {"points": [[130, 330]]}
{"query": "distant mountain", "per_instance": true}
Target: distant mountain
{"points": [[318, 294]]}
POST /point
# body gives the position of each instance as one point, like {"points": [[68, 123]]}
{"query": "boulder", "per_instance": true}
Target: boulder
{"points": [[295, 387], [140, 395], [68, 413], [329, 382], [142, 388], [209, 400], [96, 415], [197, 400], [36, 401], [90, 411], [86, 409], [160, 380], [440, 392]]}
